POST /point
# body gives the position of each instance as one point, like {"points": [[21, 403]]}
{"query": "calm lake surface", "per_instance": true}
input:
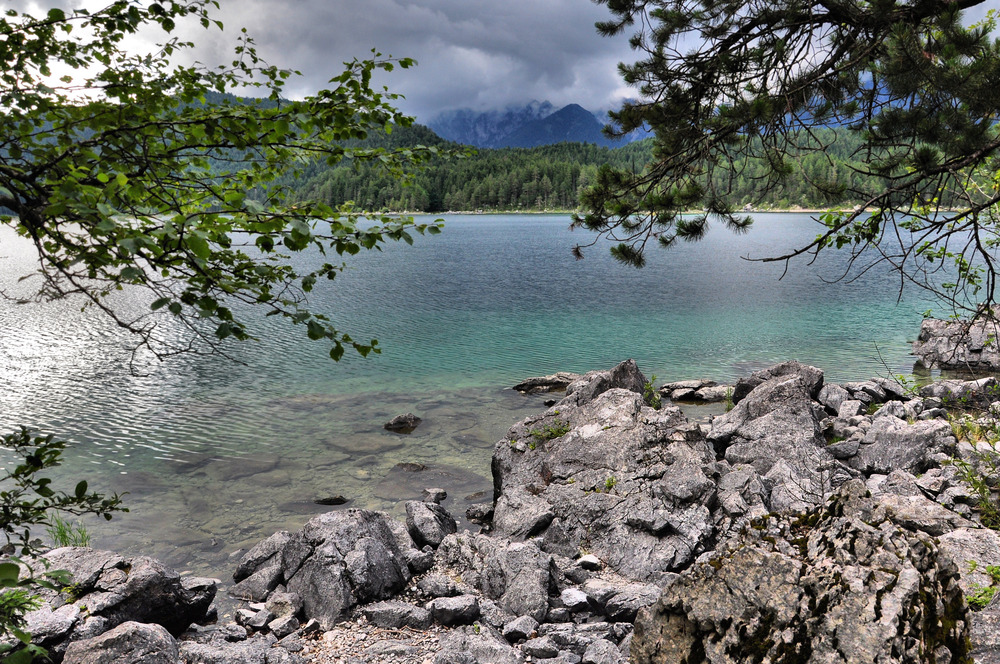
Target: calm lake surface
{"points": [[216, 455]]}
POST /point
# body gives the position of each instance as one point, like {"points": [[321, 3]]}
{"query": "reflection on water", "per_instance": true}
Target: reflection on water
{"points": [[216, 455]]}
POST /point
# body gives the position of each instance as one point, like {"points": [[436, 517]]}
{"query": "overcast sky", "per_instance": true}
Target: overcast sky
{"points": [[479, 54]]}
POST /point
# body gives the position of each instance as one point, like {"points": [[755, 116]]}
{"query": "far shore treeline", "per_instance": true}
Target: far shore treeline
{"points": [[551, 177]]}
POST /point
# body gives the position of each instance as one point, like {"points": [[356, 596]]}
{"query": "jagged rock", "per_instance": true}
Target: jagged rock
{"points": [[256, 650], [428, 523], [973, 550], [405, 423], [437, 585], [776, 430], [260, 553], [963, 393], [394, 614], [341, 559], [110, 590], [283, 604], [472, 645], [460, 610], [958, 344], [591, 385], [520, 629], [128, 643], [257, 586], [434, 495], [540, 647], [631, 482], [891, 408], [832, 396], [623, 605], [283, 626], [517, 575], [812, 378], [603, 651], [841, 584], [553, 383], [892, 444], [480, 513], [923, 514]]}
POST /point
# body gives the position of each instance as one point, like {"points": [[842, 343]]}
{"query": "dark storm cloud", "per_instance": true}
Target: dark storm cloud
{"points": [[471, 53]]}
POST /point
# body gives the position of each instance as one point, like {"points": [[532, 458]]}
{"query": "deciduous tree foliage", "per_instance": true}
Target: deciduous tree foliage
{"points": [[728, 82], [121, 173]]}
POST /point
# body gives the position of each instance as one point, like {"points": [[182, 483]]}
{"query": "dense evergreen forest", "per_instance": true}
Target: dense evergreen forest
{"points": [[551, 177]]}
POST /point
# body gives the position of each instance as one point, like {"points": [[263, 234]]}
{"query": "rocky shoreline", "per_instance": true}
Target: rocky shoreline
{"points": [[811, 522]]}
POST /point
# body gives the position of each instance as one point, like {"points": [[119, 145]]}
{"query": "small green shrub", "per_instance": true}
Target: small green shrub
{"points": [[729, 399], [651, 395], [610, 483], [981, 476], [981, 596], [557, 429]]}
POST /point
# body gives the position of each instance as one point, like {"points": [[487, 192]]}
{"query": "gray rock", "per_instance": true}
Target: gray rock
{"points": [[472, 645], [963, 394], [590, 562], [892, 444], [128, 643], [283, 626], [540, 647], [437, 585], [257, 586], [776, 430], [434, 495], [394, 614], [283, 604], [575, 599], [842, 584], [428, 523], [832, 396], [520, 629], [851, 407], [518, 576], [714, 393], [257, 650], [341, 559], [603, 651], [630, 482], [626, 603], [260, 554], [812, 378], [958, 344], [591, 385], [972, 550], [922, 514], [405, 423], [556, 382], [449, 611], [112, 590], [891, 408], [480, 513]]}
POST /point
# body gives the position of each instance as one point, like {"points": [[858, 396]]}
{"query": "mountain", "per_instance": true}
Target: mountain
{"points": [[571, 123], [537, 123], [487, 129]]}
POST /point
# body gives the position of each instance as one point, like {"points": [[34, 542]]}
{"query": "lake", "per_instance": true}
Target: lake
{"points": [[215, 455]]}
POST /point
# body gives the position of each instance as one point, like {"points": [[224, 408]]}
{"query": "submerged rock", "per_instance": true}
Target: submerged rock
{"points": [[403, 423], [556, 382]]}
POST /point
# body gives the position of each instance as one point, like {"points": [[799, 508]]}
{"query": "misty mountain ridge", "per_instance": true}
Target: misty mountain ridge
{"points": [[531, 125]]}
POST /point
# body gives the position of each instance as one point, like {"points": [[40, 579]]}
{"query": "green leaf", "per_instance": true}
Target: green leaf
{"points": [[199, 246], [160, 303], [9, 572], [81, 489]]}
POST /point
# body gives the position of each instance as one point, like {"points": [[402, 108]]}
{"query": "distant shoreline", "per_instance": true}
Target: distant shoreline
{"points": [[541, 212]]}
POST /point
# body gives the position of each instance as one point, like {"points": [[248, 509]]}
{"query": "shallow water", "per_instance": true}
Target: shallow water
{"points": [[216, 455]]}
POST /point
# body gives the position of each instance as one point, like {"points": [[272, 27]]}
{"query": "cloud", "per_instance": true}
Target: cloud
{"points": [[471, 53]]}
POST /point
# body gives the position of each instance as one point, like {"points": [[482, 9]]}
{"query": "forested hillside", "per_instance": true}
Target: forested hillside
{"points": [[550, 177]]}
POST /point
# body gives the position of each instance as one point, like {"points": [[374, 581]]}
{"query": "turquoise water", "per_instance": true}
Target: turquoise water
{"points": [[216, 455]]}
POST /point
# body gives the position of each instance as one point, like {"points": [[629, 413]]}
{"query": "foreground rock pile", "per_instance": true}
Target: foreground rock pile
{"points": [[811, 523]]}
